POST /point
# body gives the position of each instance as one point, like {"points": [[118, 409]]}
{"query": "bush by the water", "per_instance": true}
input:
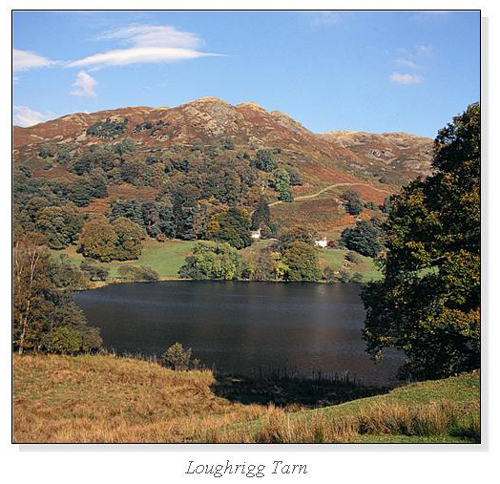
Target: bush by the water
{"points": [[138, 273], [179, 359]]}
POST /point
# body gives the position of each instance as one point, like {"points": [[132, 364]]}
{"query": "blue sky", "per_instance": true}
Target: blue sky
{"points": [[363, 71]]}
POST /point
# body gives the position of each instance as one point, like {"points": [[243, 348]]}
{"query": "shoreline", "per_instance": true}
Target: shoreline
{"points": [[100, 284]]}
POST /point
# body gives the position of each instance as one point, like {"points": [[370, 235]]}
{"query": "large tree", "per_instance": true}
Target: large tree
{"points": [[302, 262], [428, 304], [365, 238], [231, 226]]}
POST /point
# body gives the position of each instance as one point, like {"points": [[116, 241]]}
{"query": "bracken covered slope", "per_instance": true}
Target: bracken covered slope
{"points": [[374, 165]]}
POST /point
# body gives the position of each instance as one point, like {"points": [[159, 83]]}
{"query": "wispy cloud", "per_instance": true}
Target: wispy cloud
{"points": [[411, 59], [24, 60], [407, 63], [405, 78], [424, 50], [326, 19], [25, 116], [84, 84], [149, 44]]}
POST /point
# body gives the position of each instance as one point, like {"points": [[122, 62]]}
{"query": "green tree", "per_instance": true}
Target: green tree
{"points": [[231, 226], [354, 205], [302, 262], [261, 216], [428, 305], [212, 261], [365, 238], [264, 160], [281, 183]]}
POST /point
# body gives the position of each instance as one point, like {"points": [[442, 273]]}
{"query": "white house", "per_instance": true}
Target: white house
{"points": [[255, 234], [322, 243]]}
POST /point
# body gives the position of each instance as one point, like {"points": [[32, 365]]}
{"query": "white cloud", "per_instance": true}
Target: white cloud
{"points": [[24, 60], [149, 44], [153, 36], [85, 85], [407, 63], [406, 78], [25, 116]]}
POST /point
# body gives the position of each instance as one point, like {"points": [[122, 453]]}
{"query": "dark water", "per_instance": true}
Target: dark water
{"points": [[240, 327]]}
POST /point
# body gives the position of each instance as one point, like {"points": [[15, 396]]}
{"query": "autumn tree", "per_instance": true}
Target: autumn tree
{"points": [[45, 316], [98, 239], [428, 304], [129, 237], [298, 234], [59, 225], [231, 226]]}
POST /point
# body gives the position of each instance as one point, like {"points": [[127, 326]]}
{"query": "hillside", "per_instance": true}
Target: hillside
{"points": [[172, 143], [109, 399]]}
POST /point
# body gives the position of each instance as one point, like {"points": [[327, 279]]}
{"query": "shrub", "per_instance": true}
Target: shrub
{"points": [[265, 161], [138, 273], [354, 205], [328, 274], [66, 341], [353, 257], [47, 151], [94, 271], [178, 358]]}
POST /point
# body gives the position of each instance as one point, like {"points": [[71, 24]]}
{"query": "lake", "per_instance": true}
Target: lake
{"points": [[241, 327]]}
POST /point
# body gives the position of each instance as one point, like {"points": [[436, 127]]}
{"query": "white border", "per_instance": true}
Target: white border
{"points": [[367, 463]]}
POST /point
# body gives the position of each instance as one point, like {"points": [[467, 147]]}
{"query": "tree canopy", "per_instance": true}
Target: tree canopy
{"points": [[212, 260], [428, 305], [365, 238]]}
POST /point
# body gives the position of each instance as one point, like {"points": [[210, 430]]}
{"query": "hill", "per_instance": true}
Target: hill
{"points": [[109, 399], [209, 143]]}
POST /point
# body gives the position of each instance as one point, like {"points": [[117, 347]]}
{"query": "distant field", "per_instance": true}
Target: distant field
{"points": [[335, 258], [164, 257]]}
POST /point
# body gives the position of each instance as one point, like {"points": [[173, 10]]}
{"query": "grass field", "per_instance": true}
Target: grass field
{"points": [[109, 399], [164, 257], [335, 258]]}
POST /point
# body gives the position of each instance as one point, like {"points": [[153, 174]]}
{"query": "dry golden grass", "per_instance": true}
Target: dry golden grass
{"points": [[104, 398], [111, 399]]}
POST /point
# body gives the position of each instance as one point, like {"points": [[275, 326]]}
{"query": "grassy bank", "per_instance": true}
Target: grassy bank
{"points": [[111, 399]]}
